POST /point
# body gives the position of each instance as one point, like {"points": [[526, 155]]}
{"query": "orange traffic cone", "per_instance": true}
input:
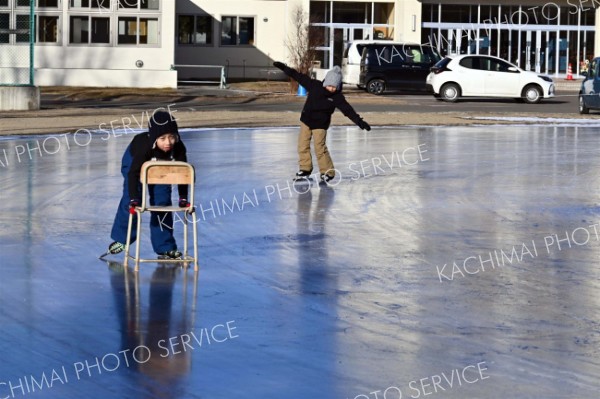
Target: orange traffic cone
{"points": [[569, 73]]}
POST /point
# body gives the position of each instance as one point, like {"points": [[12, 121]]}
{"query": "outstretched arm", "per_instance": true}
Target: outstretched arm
{"points": [[350, 113], [301, 78]]}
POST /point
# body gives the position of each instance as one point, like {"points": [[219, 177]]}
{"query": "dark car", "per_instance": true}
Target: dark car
{"points": [[396, 66], [589, 94]]}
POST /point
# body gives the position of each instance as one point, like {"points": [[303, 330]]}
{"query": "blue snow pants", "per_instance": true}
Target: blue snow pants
{"points": [[161, 223]]}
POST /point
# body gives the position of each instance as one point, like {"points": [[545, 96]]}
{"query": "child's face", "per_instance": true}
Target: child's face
{"points": [[331, 89], [166, 142]]}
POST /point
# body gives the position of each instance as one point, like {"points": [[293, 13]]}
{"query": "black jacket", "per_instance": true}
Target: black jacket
{"points": [[320, 103], [141, 151]]}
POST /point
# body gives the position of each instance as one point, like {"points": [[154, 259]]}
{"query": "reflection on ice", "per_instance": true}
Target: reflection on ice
{"points": [[477, 249]]}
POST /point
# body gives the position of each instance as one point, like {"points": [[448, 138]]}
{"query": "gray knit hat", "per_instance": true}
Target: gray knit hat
{"points": [[333, 78]]}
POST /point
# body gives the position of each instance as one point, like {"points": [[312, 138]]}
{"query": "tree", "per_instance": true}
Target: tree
{"points": [[301, 44]]}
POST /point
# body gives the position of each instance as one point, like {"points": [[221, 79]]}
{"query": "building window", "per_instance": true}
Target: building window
{"points": [[15, 23], [195, 29], [237, 31], [27, 3], [47, 4], [139, 4], [47, 29], [89, 30], [127, 30], [93, 4], [134, 30], [22, 24], [185, 29], [148, 31], [4, 26]]}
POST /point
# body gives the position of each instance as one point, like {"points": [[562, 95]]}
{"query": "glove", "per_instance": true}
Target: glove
{"points": [[364, 125], [279, 65], [183, 203], [132, 204]]}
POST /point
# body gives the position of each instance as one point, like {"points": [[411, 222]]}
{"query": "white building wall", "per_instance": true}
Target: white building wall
{"points": [[408, 21], [273, 24], [242, 61], [109, 66], [105, 66]]}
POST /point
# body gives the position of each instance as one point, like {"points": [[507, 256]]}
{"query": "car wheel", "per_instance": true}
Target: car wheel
{"points": [[583, 109], [450, 92], [532, 94], [376, 86]]}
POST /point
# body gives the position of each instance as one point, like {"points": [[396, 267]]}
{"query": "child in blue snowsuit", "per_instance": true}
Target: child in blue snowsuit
{"points": [[161, 142]]}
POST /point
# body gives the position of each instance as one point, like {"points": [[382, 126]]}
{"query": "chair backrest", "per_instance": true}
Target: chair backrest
{"points": [[168, 172]]}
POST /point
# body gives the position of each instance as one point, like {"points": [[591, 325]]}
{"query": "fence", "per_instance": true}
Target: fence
{"points": [[16, 47], [222, 82]]}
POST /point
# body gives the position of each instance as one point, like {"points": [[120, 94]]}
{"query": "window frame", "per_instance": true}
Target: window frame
{"points": [[90, 8], [89, 43], [194, 32], [139, 8], [14, 11], [37, 25], [137, 39], [57, 8], [8, 35], [16, 40], [17, 7], [237, 31]]}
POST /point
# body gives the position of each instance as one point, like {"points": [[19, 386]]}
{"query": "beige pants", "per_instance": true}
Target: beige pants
{"points": [[323, 157]]}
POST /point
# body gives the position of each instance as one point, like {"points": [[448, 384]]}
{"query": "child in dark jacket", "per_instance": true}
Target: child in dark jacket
{"points": [[161, 142], [322, 100]]}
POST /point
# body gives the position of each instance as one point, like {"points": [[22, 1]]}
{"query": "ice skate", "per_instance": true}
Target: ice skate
{"points": [[173, 254], [113, 249], [302, 177], [325, 179]]}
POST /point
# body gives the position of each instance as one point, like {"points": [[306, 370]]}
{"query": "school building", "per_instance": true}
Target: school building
{"points": [[155, 43]]}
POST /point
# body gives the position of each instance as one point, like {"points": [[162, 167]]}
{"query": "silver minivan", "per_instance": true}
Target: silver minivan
{"points": [[351, 59]]}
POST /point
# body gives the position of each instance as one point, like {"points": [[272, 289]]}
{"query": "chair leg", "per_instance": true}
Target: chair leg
{"points": [[128, 241], [195, 230], [185, 236], [137, 243]]}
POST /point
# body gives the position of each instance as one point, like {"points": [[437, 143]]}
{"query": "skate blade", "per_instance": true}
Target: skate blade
{"points": [[303, 180]]}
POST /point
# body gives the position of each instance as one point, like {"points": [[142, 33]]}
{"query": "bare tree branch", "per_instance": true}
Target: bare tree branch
{"points": [[301, 42]]}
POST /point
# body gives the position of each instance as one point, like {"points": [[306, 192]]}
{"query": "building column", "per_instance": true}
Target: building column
{"points": [[597, 37], [408, 17]]}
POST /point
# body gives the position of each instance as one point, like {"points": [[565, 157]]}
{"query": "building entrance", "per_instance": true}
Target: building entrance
{"points": [[513, 33]]}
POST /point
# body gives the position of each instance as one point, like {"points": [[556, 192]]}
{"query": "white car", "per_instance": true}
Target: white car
{"points": [[476, 75]]}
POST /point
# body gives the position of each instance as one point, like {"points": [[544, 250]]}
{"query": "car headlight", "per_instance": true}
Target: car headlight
{"points": [[546, 78]]}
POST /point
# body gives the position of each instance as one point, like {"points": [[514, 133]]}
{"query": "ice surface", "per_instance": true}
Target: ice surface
{"points": [[333, 293]]}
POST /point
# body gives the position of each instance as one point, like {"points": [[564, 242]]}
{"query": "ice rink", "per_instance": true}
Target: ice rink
{"points": [[450, 262]]}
